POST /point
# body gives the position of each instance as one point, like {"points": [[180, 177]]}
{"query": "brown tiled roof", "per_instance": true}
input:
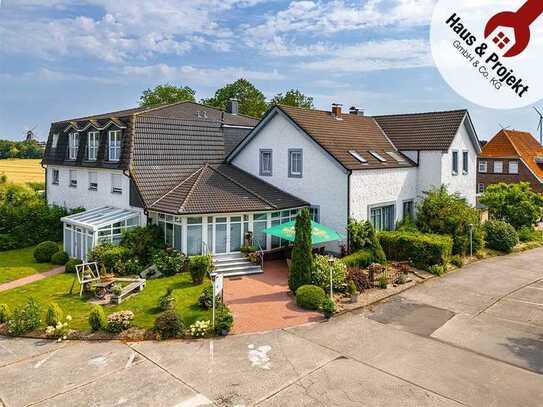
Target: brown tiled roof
{"points": [[422, 131], [223, 189], [515, 144], [351, 133]]}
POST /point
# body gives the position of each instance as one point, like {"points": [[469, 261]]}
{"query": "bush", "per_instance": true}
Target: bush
{"points": [[206, 298], [328, 307], [422, 250], [362, 237], [310, 297], [224, 320], [113, 259], [407, 225], [168, 325], [383, 281], [25, 318], [4, 313], [143, 243], [515, 204], [60, 258], [321, 274], [70, 265], [199, 267], [437, 269], [167, 301], [529, 234], [97, 318], [361, 258], [500, 235], [200, 328], [359, 278], [450, 214], [54, 314], [169, 262], [457, 261], [302, 253], [351, 288], [119, 321], [44, 251]]}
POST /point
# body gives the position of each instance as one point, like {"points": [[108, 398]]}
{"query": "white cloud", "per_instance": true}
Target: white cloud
{"points": [[375, 55], [202, 76]]}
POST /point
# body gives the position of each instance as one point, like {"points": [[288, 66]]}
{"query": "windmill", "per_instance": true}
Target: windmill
{"points": [[29, 134], [540, 125]]}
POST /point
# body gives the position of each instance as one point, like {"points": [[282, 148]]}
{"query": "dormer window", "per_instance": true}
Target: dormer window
{"points": [[378, 156], [92, 145], [114, 145], [54, 142], [73, 145]]}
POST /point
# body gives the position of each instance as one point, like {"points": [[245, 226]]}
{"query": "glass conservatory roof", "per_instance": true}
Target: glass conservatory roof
{"points": [[96, 218]]}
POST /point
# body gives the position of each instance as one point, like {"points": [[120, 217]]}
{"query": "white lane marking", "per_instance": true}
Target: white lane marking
{"points": [[130, 360], [41, 362], [196, 401]]}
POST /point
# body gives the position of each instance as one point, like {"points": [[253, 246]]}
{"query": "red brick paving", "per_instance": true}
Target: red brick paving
{"points": [[262, 302], [30, 279]]}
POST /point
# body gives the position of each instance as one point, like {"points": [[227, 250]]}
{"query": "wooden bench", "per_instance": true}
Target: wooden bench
{"points": [[138, 285]]}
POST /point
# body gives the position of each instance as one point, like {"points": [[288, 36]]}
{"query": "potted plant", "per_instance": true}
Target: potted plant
{"points": [[254, 258], [353, 291], [116, 290]]}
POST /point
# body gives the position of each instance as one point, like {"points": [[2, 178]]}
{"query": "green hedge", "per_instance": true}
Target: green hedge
{"points": [[362, 258], [422, 250]]}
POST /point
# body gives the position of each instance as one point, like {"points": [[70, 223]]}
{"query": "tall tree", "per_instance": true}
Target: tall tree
{"points": [[166, 93], [302, 254], [252, 101], [293, 97]]}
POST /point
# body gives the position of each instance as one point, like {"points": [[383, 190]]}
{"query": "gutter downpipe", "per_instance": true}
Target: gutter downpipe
{"points": [[349, 173]]}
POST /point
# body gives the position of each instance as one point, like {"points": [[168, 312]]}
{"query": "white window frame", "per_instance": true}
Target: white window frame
{"points": [[515, 164], [465, 162], [73, 179], [73, 146], [501, 167], [119, 188], [55, 175], [114, 145], [455, 161], [263, 171], [483, 166], [295, 172], [92, 147], [93, 183], [54, 141]]}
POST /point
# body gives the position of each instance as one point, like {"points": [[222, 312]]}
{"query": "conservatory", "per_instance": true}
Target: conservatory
{"points": [[83, 231]]}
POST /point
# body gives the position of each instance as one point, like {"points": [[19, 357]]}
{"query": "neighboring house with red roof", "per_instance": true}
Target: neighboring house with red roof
{"points": [[511, 156], [208, 177]]}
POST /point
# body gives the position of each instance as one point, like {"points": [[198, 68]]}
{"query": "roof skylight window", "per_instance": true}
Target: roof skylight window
{"points": [[358, 156], [378, 156]]}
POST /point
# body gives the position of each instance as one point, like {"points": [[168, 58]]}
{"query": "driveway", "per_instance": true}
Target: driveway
{"points": [[471, 338]]}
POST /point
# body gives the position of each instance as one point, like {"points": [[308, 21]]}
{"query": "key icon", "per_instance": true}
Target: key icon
{"points": [[519, 21]]}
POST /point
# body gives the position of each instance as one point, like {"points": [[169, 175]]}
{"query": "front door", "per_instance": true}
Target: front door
{"points": [[228, 234]]}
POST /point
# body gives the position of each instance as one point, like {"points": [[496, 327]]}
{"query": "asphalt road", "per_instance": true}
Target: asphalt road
{"points": [[473, 337]]}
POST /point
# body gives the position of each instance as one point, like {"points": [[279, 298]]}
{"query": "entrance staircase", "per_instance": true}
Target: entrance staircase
{"points": [[231, 265]]}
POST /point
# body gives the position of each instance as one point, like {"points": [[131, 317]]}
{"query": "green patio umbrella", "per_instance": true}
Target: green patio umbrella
{"points": [[319, 233]]}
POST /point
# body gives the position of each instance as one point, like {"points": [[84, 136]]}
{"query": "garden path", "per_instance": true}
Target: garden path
{"points": [[30, 279]]}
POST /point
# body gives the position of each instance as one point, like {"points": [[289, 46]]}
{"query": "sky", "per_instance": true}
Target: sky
{"points": [[61, 59]]}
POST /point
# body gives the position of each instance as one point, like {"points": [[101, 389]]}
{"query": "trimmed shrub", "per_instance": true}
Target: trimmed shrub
{"points": [[362, 258], [199, 267], [224, 320], [143, 243], [60, 258], [4, 313], [437, 269], [25, 318], [302, 253], [457, 261], [97, 318], [351, 288], [422, 250], [328, 307], [362, 236], [321, 274], [529, 234], [119, 321], [167, 301], [206, 298], [70, 265], [169, 262], [54, 314], [500, 235], [44, 251], [168, 325], [310, 297]]}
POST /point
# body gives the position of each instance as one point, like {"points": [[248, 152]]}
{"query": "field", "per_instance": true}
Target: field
{"points": [[21, 171]]}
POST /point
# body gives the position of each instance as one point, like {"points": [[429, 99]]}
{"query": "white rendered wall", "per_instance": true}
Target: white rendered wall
{"points": [[429, 171], [324, 181], [64, 195], [464, 184], [387, 186]]}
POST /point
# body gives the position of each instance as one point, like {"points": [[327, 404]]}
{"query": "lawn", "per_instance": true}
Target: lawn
{"points": [[21, 171], [20, 263], [144, 304]]}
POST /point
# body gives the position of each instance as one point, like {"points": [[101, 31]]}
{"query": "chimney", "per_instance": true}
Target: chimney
{"points": [[356, 111], [233, 106], [336, 110]]}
